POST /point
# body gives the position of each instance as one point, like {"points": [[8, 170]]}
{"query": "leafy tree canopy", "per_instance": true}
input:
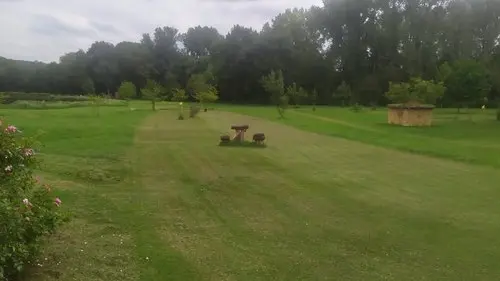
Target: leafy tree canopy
{"points": [[351, 48], [416, 91]]}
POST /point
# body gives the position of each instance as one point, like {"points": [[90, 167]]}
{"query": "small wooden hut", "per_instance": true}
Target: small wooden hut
{"points": [[410, 114]]}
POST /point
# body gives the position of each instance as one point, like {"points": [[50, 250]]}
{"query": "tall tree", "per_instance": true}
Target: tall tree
{"points": [[164, 52], [200, 41], [468, 83], [103, 67], [133, 63]]}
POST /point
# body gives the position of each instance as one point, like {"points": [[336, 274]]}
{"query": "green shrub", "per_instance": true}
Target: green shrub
{"points": [[69, 98], [208, 96], [179, 95], [356, 107], [126, 90], [28, 210]]}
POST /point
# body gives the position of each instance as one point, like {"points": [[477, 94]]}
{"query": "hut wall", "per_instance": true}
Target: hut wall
{"points": [[410, 116]]}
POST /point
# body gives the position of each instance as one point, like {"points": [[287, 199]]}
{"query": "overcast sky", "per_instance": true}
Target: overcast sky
{"points": [[45, 29]]}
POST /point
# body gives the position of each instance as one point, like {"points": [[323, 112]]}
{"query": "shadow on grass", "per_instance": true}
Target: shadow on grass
{"points": [[245, 144]]}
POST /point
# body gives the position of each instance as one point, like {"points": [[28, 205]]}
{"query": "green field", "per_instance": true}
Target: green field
{"points": [[336, 195], [472, 136]]}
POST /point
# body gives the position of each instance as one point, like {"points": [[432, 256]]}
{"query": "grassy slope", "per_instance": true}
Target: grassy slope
{"points": [[308, 207], [474, 141], [83, 159]]}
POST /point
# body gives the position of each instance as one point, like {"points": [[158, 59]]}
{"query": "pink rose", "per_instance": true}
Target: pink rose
{"points": [[11, 129]]}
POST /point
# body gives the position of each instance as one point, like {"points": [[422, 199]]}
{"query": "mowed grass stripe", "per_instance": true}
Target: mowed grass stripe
{"points": [[310, 207]]}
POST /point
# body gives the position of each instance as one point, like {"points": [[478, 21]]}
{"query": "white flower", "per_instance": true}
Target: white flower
{"points": [[29, 152], [8, 168], [26, 201]]}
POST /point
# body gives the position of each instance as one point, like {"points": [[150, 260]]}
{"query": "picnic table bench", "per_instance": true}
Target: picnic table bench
{"points": [[239, 132]]}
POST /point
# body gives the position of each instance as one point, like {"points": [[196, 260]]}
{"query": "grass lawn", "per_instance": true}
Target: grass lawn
{"points": [[154, 198], [470, 138]]}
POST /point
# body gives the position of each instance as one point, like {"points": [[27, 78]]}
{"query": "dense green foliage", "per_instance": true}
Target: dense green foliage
{"points": [[127, 90], [297, 95], [209, 95], [365, 43], [468, 83], [343, 94], [152, 92], [28, 209], [179, 95], [273, 84], [416, 91]]}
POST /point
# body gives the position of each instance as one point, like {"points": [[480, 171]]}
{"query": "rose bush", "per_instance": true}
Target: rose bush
{"points": [[28, 208]]}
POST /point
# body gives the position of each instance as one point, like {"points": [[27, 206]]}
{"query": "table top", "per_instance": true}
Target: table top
{"points": [[240, 127]]}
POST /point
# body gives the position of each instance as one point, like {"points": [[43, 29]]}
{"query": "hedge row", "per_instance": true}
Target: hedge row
{"points": [[10, 97], [23, 104]]}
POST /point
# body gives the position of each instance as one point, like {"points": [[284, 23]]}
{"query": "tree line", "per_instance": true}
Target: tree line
{"points": [[345, 52]]}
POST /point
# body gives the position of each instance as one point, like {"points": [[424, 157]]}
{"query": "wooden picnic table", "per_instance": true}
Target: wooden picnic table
{"points": [[240, 132]]}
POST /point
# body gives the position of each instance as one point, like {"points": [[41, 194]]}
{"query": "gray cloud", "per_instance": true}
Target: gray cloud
{"points": [[47, 29], [105, 27], [53, 27]]}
